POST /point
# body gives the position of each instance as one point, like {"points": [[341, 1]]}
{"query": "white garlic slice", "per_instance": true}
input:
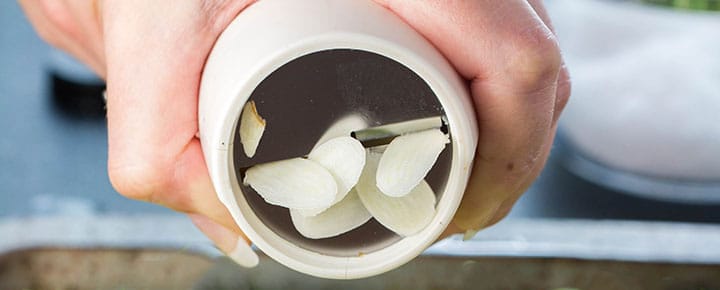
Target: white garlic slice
{"points": [[342, 127], [296, 183], [252, 127], [404, 215], [407, 160], [313, 211], [342, 217], [344, 157]]}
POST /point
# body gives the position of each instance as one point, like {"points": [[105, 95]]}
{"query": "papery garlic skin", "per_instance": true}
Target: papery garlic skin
{"points": [[252, 127]]}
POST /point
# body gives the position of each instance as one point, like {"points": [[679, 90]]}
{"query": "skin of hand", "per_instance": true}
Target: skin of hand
{"points": [[152, 54]]}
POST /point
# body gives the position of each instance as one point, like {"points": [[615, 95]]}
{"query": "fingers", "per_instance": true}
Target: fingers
{"points": [[563, 85], [233, 245], [88, 29], [155, 54], [564, 89], [540, 10], [154, 67], [503, 207], [68, 26], [513, 62]]}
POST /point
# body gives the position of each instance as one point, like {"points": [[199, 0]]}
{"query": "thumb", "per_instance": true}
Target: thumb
{"points": [[233, 245]]}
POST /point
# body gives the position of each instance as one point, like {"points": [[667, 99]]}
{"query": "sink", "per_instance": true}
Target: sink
{"points": [[73, 268], [167, 252], [480, 273], [77, 268]]}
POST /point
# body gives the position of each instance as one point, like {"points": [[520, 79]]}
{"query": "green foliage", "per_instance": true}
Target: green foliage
{"points": [[707, 5]]}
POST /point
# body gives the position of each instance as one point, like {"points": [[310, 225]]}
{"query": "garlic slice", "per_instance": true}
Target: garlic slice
{"points": [[252, 127], [404, 215], [313, 211], [407, 160], [296, 183], [342, 217], [344, 157], [342, 127]]}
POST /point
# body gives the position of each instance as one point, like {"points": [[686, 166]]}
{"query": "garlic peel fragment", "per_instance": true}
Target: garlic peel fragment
{"points": [[296, 183], [342, 217], [406, 215], [252, 127], [407, 160]]}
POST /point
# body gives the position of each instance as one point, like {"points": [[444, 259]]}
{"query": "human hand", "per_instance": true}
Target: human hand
{"points": [[519, 84], [153, 70], [152, 54]]}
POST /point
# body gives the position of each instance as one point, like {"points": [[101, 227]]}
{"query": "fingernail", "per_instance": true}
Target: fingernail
{"points": [[486, 221], [500, 213], [243, 254], [230, 243], [469, 234]]}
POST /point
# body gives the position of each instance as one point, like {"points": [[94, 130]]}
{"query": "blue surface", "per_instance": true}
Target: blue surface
{"points": [[49, 161]]}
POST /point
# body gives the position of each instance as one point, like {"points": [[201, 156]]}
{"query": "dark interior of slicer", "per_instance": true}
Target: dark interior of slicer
{"points": [[302, 98]]}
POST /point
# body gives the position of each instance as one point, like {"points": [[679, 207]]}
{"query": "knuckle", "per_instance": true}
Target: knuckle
{"points": [[564, 90], [535, 60], [140, 182]]}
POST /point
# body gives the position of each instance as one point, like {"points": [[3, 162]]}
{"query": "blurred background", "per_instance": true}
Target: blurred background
{"points": [[630, 198]]}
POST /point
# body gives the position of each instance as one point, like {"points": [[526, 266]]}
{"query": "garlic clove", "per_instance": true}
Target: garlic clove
{"points": [[342, 217], [344, 157], [296, 183], [252, 127], [342, 127], [313, 211], [406, 215], [407, 160]]}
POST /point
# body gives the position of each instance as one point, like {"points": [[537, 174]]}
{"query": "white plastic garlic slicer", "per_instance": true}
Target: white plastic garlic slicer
{"points": [[326, 68]]}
